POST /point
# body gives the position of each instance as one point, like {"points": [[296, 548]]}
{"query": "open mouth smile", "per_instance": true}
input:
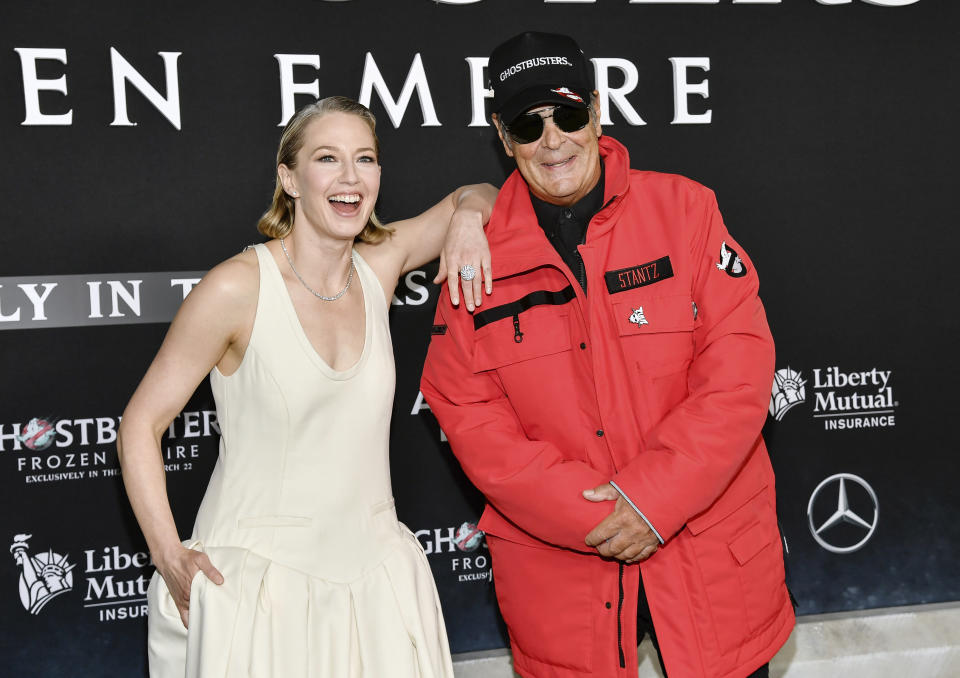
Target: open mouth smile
{"points": [[345, 204]]}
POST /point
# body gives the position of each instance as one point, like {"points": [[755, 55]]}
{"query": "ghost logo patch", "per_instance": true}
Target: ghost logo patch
{"points": [[637, 317], [730, 262]]}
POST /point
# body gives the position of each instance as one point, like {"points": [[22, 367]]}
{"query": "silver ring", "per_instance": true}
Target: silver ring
{"points": [[468, 272]]}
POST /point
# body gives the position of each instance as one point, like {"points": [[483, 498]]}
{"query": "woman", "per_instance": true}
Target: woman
{"points": [[305, 568]]}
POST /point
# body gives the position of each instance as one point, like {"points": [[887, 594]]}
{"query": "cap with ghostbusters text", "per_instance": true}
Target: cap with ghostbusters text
{"points": [[532, 69]]}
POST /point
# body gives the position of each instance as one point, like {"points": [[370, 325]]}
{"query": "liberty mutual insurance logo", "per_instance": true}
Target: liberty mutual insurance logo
{"points": [[43, 577], [114, 580], [841, 399], [788, 391]]}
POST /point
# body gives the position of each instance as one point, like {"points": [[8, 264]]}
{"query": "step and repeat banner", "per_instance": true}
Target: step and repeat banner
{"points": [[138, 143]]}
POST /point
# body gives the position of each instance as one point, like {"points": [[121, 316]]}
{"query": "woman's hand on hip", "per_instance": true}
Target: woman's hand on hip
{"points": [[178, 571]]}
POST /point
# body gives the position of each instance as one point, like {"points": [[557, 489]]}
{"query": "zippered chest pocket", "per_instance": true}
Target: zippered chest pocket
{"points": [[536, 325], [524, 336]]}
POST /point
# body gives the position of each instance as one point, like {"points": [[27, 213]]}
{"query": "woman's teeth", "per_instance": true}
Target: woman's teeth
{"points": [[345, 204]]}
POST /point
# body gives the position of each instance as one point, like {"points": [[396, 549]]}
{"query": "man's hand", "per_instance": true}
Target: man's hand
{"points": [[623, 534]]}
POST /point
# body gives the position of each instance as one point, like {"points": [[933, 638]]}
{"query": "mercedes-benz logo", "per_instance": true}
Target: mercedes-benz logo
{"points": [[843, 514]]}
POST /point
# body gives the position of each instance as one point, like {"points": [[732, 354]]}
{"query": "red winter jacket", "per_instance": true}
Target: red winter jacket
{"points": [[658, 381]]}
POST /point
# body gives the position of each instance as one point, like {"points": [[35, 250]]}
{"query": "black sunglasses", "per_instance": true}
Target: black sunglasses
{"points": [[528, 127]]}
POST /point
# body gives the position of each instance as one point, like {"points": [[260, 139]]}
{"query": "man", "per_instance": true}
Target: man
{"points": [[608, 400]]}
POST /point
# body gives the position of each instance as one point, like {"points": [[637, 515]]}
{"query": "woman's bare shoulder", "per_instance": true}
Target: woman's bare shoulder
{"points": [[384, 257], [235, 281], [370, 250]]}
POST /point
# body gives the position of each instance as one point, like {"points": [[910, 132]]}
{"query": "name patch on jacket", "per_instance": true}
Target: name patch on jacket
{"points": [[632, 277]]}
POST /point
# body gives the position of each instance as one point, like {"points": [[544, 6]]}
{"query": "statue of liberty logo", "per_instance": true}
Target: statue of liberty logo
{"points": [[43, 577], [788, 390]]}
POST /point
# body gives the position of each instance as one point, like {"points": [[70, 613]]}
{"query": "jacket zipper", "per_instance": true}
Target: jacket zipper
{"points": [[623, 662], [517, 334], [582, 273]]}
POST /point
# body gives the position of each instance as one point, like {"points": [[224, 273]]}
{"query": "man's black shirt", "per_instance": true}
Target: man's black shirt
{"points": [[566, 227]]}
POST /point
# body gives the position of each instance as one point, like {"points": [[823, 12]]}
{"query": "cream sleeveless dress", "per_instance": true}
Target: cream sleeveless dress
{"points": [[321, 580]]}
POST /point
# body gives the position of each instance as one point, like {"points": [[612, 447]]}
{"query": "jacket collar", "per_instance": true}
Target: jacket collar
{"points": [[513, 233]]}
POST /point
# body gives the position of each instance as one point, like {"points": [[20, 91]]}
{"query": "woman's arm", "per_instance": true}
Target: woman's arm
{"points": [[214, 315], [453, 230]]}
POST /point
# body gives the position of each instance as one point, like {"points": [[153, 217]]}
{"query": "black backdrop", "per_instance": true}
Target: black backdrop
{"points": [[830, 145]]}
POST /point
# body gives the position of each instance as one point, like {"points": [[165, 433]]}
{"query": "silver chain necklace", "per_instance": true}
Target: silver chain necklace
{"points": [[304, 282]]}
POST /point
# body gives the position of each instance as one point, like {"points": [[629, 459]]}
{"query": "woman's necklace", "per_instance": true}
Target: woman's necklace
{"points": [[310, 289]]}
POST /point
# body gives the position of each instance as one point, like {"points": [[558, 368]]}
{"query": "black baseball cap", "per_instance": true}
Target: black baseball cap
{"points": [[532, 69]]}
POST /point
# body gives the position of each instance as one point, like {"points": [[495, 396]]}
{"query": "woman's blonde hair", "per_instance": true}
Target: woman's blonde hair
{"points": [[277, 221]]}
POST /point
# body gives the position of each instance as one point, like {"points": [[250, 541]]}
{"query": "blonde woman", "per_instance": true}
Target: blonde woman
{"points": [[297, 565]]}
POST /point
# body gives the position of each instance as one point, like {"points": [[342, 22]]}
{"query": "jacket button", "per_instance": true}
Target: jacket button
{"points": [[608, 605], [583, 345], [599, 432]]}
